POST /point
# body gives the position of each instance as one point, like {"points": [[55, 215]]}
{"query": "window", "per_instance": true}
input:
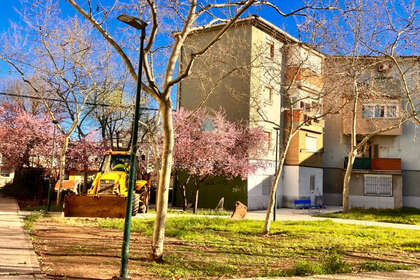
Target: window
{"points": [[391, 111], [268, 95], [268, 135], [4, 173], [380, 111], [368, 111], [312, 183], [378, 185], [311, 144], [270, 50]]}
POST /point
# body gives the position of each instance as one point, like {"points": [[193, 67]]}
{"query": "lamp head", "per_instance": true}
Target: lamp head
{"points": [[132, 21]]}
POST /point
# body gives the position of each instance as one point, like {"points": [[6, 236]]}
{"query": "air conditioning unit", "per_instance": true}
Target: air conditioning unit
{"points": [[384, 67]]}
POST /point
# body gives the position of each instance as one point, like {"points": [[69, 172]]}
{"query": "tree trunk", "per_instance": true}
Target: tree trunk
{"points": [[184, 193], [62, 166], [196, 192], [346, 184], [164, 180], [270, 208], [85, 178], [353, 152], [184, 197]]}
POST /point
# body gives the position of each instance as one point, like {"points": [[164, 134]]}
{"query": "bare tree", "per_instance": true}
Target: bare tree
{"points": [[183, 16], [60, 62]]}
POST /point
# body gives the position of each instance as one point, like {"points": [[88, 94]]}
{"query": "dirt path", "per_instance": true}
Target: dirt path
{"points": [[84, 252]]}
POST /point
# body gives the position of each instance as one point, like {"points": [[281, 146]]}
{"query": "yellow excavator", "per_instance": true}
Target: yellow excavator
{"points": [[107, 196]]}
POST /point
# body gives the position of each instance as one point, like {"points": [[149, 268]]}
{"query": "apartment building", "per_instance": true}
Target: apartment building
{"points": [[386, 171], [248, 73]]}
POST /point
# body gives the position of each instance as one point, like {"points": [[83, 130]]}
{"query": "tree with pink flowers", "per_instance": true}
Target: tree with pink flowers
{"points": [[208, 145], [22, 136], [85, 154]]}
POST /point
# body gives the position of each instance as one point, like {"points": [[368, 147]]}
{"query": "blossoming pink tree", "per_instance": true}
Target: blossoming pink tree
{"points": [[23, 135], [208, 145], [86, 154]]}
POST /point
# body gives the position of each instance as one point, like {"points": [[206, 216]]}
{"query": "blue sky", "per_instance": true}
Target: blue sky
{"points": [[8, 13]]}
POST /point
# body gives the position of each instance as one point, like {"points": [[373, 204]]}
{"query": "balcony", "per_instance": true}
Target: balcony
{"points": [[373, 116], [299, 116], [380, 164]]}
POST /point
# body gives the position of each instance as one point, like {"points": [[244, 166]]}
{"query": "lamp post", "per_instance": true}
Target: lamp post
{"points": [[277, 129], [50, 188], [141, 25]]}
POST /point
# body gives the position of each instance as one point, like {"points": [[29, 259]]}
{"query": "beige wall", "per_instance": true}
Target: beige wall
{"points": [[266, 72], [221, 76]]}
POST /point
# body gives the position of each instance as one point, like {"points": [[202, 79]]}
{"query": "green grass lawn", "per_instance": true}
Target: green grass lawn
{"points": [[403, 215], [210, 247]]}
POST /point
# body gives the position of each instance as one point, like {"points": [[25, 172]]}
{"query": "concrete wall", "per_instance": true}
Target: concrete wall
{"points": [[357, 198], [411, 188], [296, 184], [265, 72], [367, 202], [259, 187], [221, 77]]}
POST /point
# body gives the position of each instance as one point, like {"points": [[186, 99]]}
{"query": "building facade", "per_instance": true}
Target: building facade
{"points": [[248, 74], [260, 74], [387, 168]]}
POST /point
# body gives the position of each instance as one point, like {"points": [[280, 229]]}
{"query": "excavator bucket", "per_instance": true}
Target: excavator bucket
{"points": [[104, 206]]}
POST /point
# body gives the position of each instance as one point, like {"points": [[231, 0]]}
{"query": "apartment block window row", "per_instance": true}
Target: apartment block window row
{"points": [[380, 111], [378, 185]]}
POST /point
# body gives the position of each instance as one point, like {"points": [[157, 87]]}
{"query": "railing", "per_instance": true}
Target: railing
{"points": [[375, 163]]}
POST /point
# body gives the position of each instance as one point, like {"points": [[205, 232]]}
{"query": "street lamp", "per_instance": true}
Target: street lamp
{"points": [[52, 166], [141, 25]]}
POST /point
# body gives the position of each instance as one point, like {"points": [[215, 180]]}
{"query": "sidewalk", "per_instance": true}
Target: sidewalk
{"points": [[288, 214], [17, 257], [395, 275], [285, 214]]}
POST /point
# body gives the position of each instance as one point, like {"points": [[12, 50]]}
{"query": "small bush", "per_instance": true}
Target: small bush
{"points": [[333, 263], [305, 268], [381, 266]]}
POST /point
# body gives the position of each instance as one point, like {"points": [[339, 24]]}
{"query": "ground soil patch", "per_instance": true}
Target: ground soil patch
{"points": [[73, 249]]}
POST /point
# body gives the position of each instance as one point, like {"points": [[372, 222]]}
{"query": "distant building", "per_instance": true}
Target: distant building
{"points": [[386, 172]]}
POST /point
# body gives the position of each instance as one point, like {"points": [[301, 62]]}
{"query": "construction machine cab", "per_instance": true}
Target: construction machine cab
{"points": [[115, 161]]}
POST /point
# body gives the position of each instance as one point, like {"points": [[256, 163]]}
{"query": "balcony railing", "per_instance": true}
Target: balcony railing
{"points": [[386, 164]]}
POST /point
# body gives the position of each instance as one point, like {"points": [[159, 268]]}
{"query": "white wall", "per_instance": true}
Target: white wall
{"points": [[304, 182], [411, 201], [371, 201], [296, 184], [259, 186], [290, 181]]}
